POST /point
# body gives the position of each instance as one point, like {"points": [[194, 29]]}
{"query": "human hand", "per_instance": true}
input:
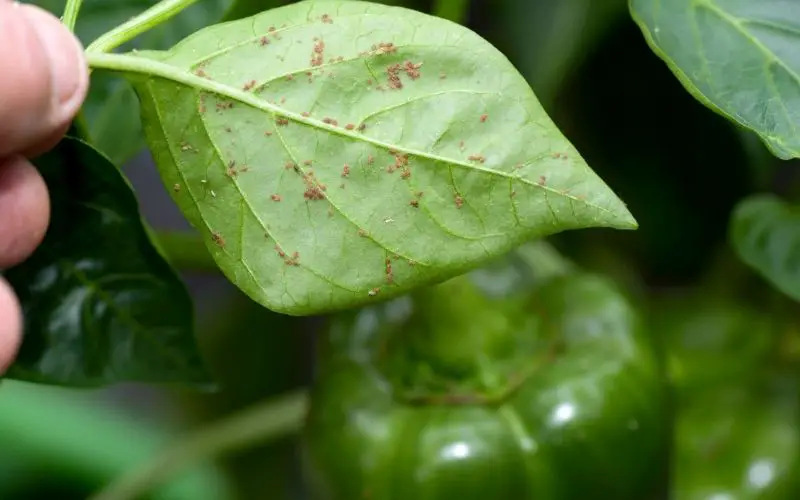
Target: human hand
{"points": [[44, 83]]}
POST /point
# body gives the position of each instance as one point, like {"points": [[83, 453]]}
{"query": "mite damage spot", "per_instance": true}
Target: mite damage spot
{"points": [[406, 174], [314, 189], [305, 114], [318, 53], [345, 171], [290, 165], [389, 274], [176, 188], [280, 251], [412, 70], [231, 170], [222, 106], [477, 158], [307, 162], [362, 233], [442, 76], [374, 292], [330, 121], [459, 201], [228, 130], [349, 126], [414, 203], [201, 73], [461, 146], [186, 147], [393, 77], [268, 133], [276, 197], [384, 48], [370, 160], [289, 78], [361, 127], [542, 180], [249, 86], [484, 117], [294, 260], [281, 121], [263, 41], [217, 238], [327, 19]]}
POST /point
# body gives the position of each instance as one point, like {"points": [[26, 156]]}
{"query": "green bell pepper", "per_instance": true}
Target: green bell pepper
{"points": [[499, 384], [736, 430]]}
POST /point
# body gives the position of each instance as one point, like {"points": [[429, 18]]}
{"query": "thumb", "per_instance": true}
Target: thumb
{"points": [[45, 78]]}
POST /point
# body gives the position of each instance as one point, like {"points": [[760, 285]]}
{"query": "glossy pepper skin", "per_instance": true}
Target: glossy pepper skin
{"points": [[489, 386], [737, 430]]}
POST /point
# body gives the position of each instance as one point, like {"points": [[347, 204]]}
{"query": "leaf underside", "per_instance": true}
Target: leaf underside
{"points": [[766, 235], [339, 152], [741, 58], [101, 305]]}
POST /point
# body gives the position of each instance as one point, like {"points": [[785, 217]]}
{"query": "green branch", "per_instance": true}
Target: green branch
{"points": [[269, 421], [147, 20], [71, 11]]}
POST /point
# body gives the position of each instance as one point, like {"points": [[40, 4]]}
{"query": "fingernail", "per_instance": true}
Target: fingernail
{"points": [[68, 71]]}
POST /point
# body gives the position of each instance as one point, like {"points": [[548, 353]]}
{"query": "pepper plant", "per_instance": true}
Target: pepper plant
{"points": [[392, 170]]}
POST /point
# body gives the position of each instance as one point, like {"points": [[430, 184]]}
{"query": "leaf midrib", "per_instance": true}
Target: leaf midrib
{"points": [[151, 68]]}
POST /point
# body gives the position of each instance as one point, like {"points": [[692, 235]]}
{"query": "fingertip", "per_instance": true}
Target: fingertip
{"points": [[25, 205], [10, 325]]}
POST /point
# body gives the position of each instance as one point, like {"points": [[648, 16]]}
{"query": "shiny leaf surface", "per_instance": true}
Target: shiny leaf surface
{"points": [[101, 304], [765, 232], [339, 152], [738, 57]]}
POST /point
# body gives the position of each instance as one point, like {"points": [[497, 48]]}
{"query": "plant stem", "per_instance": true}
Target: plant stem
{"points": [[453, 10], [71, 11], [185, 250], [147, 20], [269, 421]]}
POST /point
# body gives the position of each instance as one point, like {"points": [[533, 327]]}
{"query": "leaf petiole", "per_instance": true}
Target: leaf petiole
{"points": [[147, 20], [71, 11]]}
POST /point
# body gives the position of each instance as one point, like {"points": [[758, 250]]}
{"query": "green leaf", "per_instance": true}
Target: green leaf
{"points": [[111, 108], [766, 235], [101, 304], [339, 152], [738, 57]]}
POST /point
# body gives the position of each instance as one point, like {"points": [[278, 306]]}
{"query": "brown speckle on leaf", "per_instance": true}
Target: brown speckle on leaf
{"points": [[484, 117], [393, 77], [542, 180], [362, 233], [384, 48], [249, 85], [185, 147], [412, 70], [361, 127], [176, 187], [289, 165], [281, 121], [389, 274], [263, 41], [305, 114], [442, 76], [231, 170], [201, 73], [374, 292], [345, 170], [314, 190], [294, 260], [218, 239], [280, 251], [478, 158], [459, 201], [268, 133], [289, 78], [406, 173], [307, 162], [461, 146], [349, 126], [275, 197], [327, 19], [414, 203], [318, 53], [221, 106], [370, 160], [330, 121], [228, 130]]}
